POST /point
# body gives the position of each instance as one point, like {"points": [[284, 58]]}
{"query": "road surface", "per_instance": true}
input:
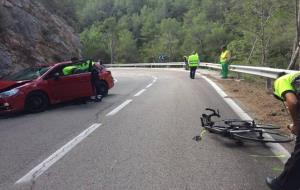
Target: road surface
{"points": [[139, 137]]}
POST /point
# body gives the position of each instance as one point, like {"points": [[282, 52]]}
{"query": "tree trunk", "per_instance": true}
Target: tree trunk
{"points": [[294, 58], [263, 44], [296, 46], [251, 53], [112, 49]]}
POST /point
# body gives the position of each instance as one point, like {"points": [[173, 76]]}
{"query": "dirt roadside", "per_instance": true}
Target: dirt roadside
{"points": [[256, 100]]}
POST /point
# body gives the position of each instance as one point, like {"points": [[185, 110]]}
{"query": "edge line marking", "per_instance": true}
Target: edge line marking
{"points": [[276, 148]]}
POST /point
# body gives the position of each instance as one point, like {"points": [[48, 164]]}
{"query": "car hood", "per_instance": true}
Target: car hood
{"points": [[8, 85]]}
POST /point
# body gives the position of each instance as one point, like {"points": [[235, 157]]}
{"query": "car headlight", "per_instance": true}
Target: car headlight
{"points": [[9, 93]]}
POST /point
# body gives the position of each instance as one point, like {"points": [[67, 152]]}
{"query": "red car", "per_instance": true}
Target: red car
{"points": [[33, 89]]}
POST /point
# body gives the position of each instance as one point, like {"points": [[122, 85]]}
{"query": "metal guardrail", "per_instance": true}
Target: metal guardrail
{"points": [[179, 64], [267, 72]]}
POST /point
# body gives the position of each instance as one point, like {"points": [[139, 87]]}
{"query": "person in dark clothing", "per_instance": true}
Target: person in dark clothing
{"points": [[74, 59], [94, 81], [287, 89], [100, 61], [186, 62]]}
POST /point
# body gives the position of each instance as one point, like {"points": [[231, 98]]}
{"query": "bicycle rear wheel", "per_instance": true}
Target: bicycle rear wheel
{"points": [[249, 124], [264, 136]]}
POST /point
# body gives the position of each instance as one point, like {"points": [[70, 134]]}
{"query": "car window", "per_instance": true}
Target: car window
{"points": [[55, 70], [27, 74]]}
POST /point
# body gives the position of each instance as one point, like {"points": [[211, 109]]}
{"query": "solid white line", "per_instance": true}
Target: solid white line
{"points": [[117, 109], [139, 93], [42, 167], [276, 148], [149, 85]]}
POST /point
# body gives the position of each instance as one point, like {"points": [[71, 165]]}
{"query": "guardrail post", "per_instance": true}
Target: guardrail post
{"points": [[269, 84]]}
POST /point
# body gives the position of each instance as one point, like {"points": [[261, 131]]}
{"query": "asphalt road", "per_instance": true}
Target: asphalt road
{"points": [[145, 144]]}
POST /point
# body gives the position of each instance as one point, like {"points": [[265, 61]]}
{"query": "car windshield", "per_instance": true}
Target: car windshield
{"points": [[27, 74]]}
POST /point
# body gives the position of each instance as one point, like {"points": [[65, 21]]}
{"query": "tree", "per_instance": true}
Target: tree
{"points": [[296, 47], [170, 37], [126, 51], [141, 30]]}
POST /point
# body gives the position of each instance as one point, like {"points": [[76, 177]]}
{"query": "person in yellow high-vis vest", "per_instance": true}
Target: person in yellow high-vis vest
{"points": [[224, 61], [193, 61], [287, 89]]}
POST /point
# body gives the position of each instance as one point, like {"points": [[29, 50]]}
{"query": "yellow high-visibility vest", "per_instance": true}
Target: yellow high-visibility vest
{"points": [[194, 60], [286, 83], [225, 56]]}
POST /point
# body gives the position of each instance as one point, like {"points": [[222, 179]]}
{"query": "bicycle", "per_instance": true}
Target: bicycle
{"points": [[240, 130]]}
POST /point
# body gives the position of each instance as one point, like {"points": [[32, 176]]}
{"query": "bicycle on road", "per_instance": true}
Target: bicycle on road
{"points": [[241, 130]]}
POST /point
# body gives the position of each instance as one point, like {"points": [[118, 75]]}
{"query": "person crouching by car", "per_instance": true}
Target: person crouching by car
{"points": [[94, 81]]}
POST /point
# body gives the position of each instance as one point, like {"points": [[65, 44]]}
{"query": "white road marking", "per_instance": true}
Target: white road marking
{"points": [[120, 107], [139, 93], [154, 79], [42, 167], [149, 85], [276, 148]]}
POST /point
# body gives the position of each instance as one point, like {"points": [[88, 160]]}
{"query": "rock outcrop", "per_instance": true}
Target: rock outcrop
{"points": [[29, 35]]}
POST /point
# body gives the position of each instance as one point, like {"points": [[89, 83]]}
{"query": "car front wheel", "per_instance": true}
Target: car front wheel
{"points": [[36, 102]]}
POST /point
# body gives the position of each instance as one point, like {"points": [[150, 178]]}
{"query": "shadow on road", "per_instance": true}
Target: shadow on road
{"points": [[75, 104]]}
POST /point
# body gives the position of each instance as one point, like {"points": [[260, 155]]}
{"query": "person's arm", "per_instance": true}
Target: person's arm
{"points": [[292, 103], [228, 57]]}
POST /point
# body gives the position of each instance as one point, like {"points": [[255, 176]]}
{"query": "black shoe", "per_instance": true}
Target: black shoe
{"points": [[272, 183], [98, 98]]}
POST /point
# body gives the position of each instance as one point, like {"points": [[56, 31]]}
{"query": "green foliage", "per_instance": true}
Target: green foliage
{"points": [[258, 32], [126, 50]]}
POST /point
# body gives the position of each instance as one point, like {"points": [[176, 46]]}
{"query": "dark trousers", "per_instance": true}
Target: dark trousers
{"points": [[95, 87], [289, 179], [193, 72]]}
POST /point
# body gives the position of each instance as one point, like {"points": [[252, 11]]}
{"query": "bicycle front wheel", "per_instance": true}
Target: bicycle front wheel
{"points": [[263, 136]]}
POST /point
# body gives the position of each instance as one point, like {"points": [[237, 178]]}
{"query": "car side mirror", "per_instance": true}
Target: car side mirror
{"points": [[56, 76]]}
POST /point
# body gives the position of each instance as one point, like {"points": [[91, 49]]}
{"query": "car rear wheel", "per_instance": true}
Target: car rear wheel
{"points": [[36, 102], [102, 88]]}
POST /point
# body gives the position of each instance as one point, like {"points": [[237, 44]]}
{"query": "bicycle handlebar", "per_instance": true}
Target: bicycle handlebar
{"points": [[214, 112], [206, 119]]}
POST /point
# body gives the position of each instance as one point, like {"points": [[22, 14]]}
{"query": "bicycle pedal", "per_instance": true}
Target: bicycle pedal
{"points": [[197, 138]]}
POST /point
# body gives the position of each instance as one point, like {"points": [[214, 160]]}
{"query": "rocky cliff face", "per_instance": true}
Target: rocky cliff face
{"points": [[29, 34]]}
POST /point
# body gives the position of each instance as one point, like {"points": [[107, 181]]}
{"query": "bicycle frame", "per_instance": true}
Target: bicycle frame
{"points": [[242, 129]]}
